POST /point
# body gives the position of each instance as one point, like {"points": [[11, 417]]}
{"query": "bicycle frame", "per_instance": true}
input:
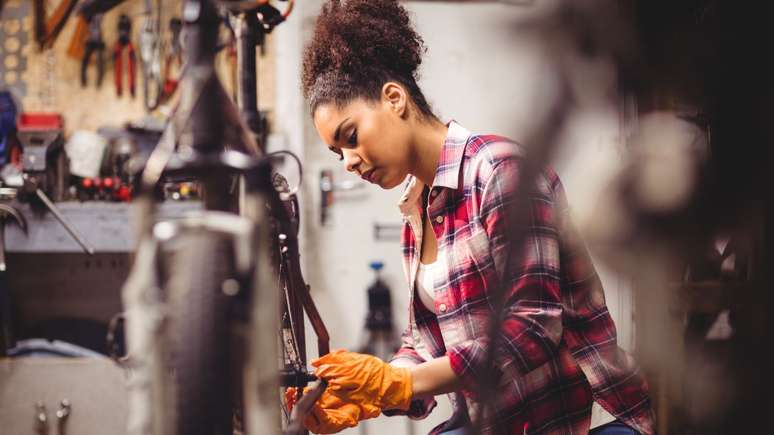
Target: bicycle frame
{"points": [[216, 146]]}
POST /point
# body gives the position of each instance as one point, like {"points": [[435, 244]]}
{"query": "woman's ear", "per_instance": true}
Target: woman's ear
{"points": [[395, 97]]}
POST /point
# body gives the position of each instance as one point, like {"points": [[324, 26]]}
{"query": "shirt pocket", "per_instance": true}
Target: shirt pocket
{"points": [[477, 246], [472, 270]]}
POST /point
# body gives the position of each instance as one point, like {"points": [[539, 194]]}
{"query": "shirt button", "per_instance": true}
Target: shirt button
{"points": [[433, 193], [442, 308], [439, 219]]}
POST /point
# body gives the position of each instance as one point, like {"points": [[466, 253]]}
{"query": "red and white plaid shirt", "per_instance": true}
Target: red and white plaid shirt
{"points": [[558, 350]]}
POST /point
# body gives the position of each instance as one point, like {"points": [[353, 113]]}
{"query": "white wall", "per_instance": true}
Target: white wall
{"points": [[481, 70]]}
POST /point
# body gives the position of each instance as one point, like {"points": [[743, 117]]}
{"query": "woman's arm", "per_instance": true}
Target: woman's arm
{"points": [[432, 378]]}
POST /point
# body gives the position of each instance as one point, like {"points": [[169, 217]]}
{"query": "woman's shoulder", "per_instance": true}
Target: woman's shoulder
{"points": [[493, 149], [485, 153]]}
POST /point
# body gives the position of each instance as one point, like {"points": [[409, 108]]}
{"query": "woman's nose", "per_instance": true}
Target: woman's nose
{"points": [[351, 160]]}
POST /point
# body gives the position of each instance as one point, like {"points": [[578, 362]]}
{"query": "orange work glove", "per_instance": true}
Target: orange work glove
{"points": [[291, 398], [365, 380], [330, 414]]}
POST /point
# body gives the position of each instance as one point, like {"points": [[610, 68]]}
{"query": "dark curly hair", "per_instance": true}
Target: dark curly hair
{"points": [[358, 45]]}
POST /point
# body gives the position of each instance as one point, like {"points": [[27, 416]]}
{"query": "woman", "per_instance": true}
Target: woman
{"points": [[557, 358]]}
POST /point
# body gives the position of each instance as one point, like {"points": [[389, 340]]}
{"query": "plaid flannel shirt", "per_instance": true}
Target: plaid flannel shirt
{"points": [[557, 351]]}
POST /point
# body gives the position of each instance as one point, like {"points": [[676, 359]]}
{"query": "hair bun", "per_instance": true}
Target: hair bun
{"points": [[361, 37]]}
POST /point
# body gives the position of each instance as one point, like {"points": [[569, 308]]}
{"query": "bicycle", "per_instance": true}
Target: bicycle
{"points": [[202, 302]]}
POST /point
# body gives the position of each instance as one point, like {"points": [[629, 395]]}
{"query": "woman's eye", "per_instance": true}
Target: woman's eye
{"points": [[337, 152], [352, 138]]}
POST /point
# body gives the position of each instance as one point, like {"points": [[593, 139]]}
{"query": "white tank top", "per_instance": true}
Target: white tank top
{"points": [[426, 276]]}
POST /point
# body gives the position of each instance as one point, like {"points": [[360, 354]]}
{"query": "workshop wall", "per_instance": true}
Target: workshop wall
{"points": [[49, 81]]}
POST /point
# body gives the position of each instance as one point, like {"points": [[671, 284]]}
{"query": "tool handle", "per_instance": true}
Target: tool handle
{"points": [[62, 220], [304, 407]]}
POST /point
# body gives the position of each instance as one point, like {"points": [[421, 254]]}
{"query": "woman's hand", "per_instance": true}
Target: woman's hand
{"points": [[361, 386], [365, 380], [330, 414]]}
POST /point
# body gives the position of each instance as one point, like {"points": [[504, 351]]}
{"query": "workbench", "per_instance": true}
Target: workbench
{"points": [[59, 292], [107, 226]]}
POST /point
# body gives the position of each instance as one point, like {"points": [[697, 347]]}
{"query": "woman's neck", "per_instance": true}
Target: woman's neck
{"points": [[429, 137]]}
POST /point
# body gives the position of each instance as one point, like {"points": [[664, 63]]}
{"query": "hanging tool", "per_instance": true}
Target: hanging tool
{"points": [[56, 22], [47, 28], [86, 10], [39, 15], [150, 54], [176, 43], [124, 43], [174, 58], [94, 45], [77, 45]]}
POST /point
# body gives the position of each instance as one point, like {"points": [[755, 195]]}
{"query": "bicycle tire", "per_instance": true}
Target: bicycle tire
{"points": [[199, 334]]}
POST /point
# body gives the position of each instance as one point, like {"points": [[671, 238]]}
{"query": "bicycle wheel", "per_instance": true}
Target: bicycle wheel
{"points": [[199, 334]]}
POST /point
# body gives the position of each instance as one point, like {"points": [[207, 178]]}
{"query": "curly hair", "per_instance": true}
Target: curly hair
{"points": [[357, 46]]}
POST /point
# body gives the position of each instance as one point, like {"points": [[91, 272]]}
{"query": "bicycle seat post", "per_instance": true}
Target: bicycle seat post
{"points": [[207, 124]]}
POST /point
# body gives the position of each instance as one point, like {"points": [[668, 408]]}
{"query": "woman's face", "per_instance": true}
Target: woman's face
{"points": [[372, 138]]}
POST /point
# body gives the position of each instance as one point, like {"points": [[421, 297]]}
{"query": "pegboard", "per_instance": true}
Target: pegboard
{"points": [[49, 81], [14, 35]]}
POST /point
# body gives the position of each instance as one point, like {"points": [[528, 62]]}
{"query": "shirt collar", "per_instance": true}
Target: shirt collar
{"points": [[450, 161], [449, 164]]}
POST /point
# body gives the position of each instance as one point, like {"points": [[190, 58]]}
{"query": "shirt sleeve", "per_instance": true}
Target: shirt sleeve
{"points": [[407, 356], [529, 276]]}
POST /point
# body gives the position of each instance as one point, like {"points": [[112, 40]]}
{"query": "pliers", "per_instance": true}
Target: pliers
{"points": [[124, 43], [94, 44]]}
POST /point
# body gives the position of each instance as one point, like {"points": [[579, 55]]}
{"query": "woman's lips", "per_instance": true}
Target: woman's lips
{"points": [[368, 175]]}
